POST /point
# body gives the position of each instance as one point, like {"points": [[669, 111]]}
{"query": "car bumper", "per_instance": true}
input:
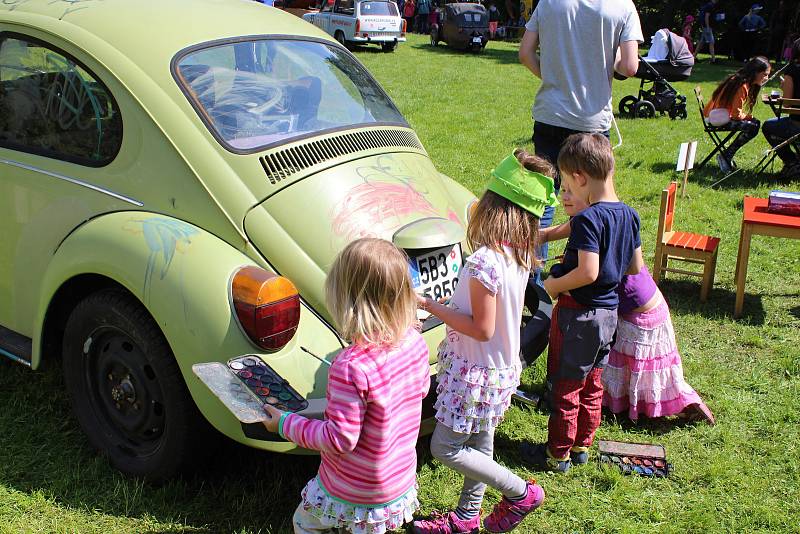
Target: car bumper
{"points": [[379, 39]]}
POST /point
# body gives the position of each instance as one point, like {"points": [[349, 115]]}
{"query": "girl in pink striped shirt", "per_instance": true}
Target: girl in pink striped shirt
{"points": [[367, 478]]}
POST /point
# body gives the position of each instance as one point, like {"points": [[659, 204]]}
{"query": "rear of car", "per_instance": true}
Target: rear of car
{"points": [[380, 23]]}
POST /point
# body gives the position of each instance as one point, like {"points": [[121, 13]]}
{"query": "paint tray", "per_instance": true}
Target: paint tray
{"points": [[241, 398], [635, 458]]}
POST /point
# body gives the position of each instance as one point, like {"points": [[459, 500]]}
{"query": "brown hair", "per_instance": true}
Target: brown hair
{"points": [[589, 153], [496, 221], [725, 92], [369, 293]]}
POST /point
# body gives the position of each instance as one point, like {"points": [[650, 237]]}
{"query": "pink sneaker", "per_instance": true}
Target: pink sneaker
{"points": [[447, 524], [508, 514]]}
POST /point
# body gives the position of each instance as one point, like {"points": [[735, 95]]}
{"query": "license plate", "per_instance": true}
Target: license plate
{"points": [[476, 40], [435, 274]]}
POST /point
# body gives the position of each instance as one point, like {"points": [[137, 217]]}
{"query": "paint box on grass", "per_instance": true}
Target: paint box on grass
{"points": [[635, 458], [245, 384]]}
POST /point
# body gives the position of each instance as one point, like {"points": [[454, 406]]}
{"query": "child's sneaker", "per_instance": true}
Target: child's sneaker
{"points": [[538, 457], [579, 455], [508, 514], [447, 524]]}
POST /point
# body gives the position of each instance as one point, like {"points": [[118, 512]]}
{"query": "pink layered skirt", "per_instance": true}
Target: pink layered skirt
{"points": [[644, 375]]}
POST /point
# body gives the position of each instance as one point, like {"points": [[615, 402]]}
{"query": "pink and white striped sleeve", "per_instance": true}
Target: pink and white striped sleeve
{"points": [[344, 416]]}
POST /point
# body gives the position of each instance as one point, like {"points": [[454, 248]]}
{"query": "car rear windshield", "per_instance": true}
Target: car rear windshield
{"points": [[379, 8], [255, 94]]}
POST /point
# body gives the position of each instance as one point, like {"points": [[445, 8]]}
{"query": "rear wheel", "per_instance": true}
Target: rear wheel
{"points": [[339, 36], [626, 106], [388, 47], [644, 109], [127, 391]]}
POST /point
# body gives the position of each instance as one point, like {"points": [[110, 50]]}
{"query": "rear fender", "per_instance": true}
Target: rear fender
{"points": [[182, 274]]}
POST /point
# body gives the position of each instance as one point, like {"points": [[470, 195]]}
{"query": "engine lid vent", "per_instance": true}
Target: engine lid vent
{"points": [[284, 163]]}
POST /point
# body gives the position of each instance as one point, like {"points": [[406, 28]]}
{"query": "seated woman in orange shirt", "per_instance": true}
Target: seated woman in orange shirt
{"points": [[737, 93]]}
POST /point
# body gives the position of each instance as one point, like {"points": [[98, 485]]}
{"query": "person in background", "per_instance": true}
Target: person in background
{"points": [[750, 25], [423, 10], [494, 19], [778, 22], [779, 130], [738, 94], [686, 32], [409, 9], [709, 13]]}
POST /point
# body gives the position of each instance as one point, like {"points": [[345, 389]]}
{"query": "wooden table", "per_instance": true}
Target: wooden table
{"points": [[756, 220]]}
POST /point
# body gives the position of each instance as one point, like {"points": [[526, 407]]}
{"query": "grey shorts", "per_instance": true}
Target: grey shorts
{"points": [[707, 36], [586, 337]]}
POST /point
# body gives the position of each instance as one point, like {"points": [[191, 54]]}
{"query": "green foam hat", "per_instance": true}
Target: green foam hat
{"points": [[530, 190]]}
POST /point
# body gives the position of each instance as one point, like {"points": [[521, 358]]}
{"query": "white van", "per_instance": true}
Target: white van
{"points": [[361, 22]]}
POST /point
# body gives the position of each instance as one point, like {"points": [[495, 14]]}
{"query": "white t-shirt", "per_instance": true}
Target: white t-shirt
{"points": [[501, 275], [476, 378], [578, 46]]}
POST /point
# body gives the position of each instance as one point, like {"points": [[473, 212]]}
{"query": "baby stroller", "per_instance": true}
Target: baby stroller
{"points": [[668, 60]]}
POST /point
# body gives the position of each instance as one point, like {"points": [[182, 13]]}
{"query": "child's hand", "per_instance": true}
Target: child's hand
{"points": [[422, 302], [275, 416], [548, 286]]}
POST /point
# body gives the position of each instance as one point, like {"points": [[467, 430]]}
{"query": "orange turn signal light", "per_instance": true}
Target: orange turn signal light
{"points": [[267, 306]]}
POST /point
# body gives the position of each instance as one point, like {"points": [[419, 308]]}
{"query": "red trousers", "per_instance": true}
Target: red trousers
{"points": [[575, 404]]}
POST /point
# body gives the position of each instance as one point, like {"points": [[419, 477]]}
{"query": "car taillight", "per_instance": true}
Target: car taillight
{"points": [[358, 26], [403, 31], [267, 306]]}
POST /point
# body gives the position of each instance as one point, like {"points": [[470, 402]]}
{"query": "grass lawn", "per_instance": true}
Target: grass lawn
{"points": [[742, 475]]}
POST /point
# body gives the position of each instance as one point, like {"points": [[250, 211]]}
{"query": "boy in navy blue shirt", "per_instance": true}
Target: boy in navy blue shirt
{"points": [[603, 245]]}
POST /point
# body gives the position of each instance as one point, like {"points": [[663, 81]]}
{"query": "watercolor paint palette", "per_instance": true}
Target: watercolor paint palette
{"points": [[245, 384], [635, 458]]}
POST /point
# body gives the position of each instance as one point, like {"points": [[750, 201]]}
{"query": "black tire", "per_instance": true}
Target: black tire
{"points": [[127, 391], [644, 109], [339, 36], [388, 47], [626, 106], [681, 113], [434, 37]]}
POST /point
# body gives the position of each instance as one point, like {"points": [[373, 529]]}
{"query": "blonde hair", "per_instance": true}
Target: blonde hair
{"points": [[497, 221], [369, 293], [589, 153]]}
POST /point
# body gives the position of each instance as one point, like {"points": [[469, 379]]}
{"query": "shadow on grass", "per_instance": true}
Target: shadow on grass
{"points": [[709, 175], [503, 56], [683, 297], [240, 489]]}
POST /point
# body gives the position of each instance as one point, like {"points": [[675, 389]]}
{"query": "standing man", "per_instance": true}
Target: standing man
{"points": [[750, 25], [709, 13], [582, 43]]}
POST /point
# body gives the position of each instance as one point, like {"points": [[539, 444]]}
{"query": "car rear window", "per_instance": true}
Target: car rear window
{"points": [[379, 8], [259, 93]]}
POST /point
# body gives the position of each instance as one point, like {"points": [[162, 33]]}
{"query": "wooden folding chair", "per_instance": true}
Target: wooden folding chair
{"points": [[714, 132], [683, 246]]}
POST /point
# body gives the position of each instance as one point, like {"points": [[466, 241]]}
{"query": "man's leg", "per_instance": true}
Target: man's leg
{"points": [[777, 131]]}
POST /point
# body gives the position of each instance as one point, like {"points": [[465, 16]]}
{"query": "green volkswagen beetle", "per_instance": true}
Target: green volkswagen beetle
{"points": [[175, 180]]}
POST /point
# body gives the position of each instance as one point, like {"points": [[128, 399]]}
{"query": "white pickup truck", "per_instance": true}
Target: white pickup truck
{"points": [[361, 22]]}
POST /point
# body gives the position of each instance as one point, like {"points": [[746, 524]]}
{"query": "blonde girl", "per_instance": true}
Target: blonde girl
{"points": [[479, 362], [367, 478]]}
